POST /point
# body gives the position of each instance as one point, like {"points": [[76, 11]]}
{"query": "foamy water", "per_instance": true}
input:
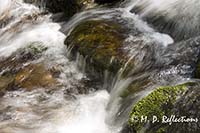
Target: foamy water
{"points": [[40, 111], [43, 111], [55, 114], [179, 17]]}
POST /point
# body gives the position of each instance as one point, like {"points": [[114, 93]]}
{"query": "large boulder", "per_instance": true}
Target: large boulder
{"points": [[107, 46]]}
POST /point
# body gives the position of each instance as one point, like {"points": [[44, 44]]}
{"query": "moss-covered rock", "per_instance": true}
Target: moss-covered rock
{"points": [[101, 42], [159, 103], [189, 106]]}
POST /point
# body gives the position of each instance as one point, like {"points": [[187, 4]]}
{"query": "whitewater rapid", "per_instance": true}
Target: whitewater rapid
{"points": [[41, 111], [22, 111]]}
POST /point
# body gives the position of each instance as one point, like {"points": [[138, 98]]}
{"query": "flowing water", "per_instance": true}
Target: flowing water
{"points": [[179, 18], [51, 111], [41, 111]]}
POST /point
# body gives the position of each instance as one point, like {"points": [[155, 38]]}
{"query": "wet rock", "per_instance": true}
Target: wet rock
{"points": [[164, 101], [197, 71], [28, 77], [138, 84], [13, 63], [189, 106], [17, 71], [69, 7], [105, 1], [34, 76], [101, 42], [6, 83]]}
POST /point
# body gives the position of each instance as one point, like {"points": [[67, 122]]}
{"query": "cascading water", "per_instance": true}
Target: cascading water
{"points": [[62, 109], [42, 111]]}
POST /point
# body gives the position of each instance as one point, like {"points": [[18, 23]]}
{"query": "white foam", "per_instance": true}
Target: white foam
{"points": [[38, 111], [55, 114], [184, 14], [46, 32], [90, 117]]}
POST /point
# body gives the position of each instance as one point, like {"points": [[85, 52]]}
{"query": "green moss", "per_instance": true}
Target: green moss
{"points": [[158, 103], [161, 130], [101, 41]]}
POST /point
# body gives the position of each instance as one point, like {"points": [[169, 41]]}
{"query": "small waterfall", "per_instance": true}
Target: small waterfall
{"points": [[73, 105]]}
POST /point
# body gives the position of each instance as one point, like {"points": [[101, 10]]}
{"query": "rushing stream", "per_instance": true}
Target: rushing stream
{"points": [[39, 111], [55, 110]]}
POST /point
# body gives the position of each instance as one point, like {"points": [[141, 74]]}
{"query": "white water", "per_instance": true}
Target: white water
{"points": [[39, 111], [55, 114], [184, 14]]}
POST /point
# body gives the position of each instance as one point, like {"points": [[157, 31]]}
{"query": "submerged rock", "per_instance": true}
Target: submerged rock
{"points": [[28, 77], [34, 76], [17, 71]]}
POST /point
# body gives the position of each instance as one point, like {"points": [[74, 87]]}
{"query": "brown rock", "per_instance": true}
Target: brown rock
{"points": [[34, 75]]}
